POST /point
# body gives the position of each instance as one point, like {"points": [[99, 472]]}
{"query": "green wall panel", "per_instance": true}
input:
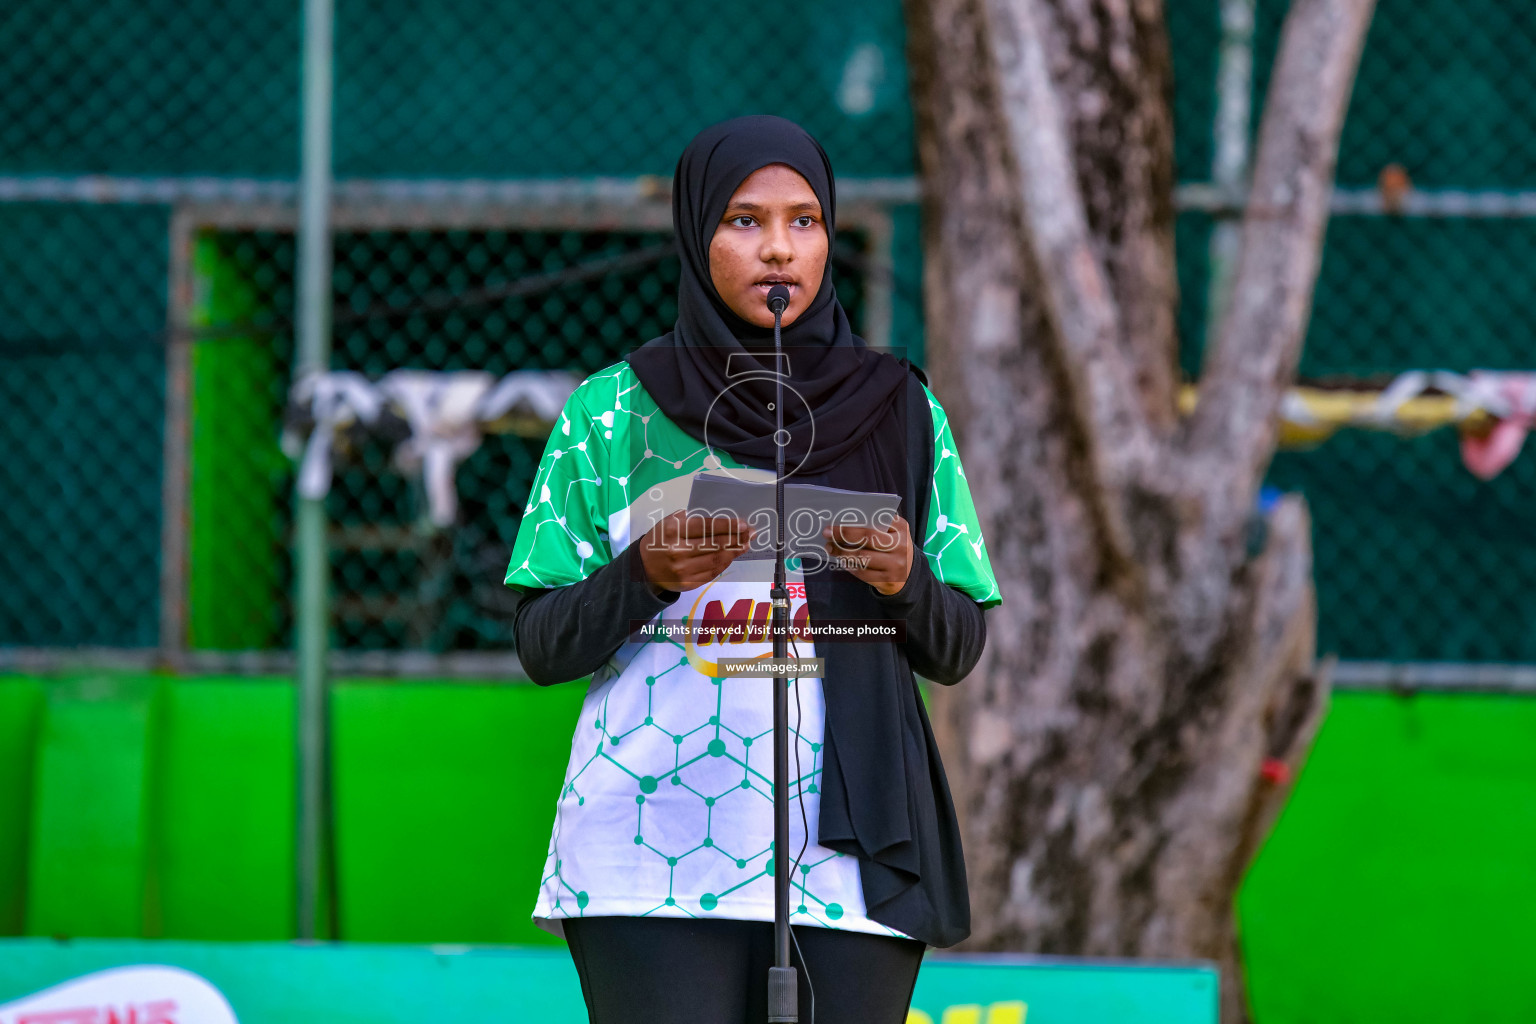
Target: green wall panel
{"points": [[445, 796], [1398, 884], [21, 706], [235, 592], [226, 790], [89, 871]]}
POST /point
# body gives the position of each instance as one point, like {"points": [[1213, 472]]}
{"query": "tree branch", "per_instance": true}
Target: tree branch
{"points": [[1075, 287], [1233, 432]]}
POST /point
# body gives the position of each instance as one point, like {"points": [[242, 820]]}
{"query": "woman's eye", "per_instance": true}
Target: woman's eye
{"points": [[805, 221], [742, 221]]}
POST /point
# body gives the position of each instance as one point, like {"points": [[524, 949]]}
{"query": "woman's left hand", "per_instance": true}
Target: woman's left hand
{"points": [[881, 558]]}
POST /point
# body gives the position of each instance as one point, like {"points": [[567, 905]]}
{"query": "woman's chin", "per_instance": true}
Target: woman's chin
{"points": [[758, 317]]}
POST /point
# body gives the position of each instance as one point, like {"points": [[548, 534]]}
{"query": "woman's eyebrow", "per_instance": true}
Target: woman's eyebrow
{"points": [[751, 207]]}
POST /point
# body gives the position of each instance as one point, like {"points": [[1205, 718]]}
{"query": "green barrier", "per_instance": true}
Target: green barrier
{"points": [[138, 806], [226, 789], [91, 835], [349, 984], [445, 796], [1398, 884], [21, 706], [1405, 851]]}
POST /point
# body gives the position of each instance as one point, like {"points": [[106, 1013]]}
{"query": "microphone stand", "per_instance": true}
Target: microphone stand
{"points": [[783, 980]]}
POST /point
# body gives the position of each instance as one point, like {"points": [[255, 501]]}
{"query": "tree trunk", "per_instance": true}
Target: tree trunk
{"points": [[1149, 680]]}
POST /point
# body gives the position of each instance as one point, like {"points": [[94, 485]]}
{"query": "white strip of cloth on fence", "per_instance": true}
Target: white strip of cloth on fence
{"points": [[447, 414]]}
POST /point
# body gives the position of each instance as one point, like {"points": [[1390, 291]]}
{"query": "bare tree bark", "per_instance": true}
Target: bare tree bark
{"points": [[1155, 644]]}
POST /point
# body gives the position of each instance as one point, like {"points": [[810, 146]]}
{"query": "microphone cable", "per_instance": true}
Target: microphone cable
{"points": [[805, 829]]}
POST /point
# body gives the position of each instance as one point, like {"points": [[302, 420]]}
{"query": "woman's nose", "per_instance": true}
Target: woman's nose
{"points": [[776, 246]]}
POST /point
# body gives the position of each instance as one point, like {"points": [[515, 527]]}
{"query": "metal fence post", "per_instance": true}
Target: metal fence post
{"points": [[312, 569], [1229, 167]]}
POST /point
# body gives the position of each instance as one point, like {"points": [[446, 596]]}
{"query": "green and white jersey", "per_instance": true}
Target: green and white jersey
{"points": [[667, 805]]}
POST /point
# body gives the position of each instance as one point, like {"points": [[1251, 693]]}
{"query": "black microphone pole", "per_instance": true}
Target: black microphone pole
{"points": [[783, 981]]}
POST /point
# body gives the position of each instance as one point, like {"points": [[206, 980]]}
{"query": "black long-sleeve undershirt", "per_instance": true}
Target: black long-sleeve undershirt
{"points": [[565, 633]]}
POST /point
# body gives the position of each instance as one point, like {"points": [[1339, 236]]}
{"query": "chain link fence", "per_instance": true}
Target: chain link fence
{"points": [[147, 158], [429, 300]]}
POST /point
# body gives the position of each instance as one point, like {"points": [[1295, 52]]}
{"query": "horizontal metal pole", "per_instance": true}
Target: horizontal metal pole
{"points": [[1368, 202], [361, 194], [106, 188], [1441, 676], [488, 666], [640, 190]]}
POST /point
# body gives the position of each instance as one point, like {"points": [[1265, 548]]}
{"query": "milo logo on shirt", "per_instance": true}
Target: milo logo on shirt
{"points": [[747, 620], [729, 618]]}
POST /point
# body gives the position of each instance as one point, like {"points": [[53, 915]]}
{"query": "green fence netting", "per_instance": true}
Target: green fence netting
{"points": [[82, 373], [1415, 558], [400, 582]]}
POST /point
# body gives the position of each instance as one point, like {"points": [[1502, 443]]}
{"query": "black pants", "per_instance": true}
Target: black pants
{"points": [[668, 970]]}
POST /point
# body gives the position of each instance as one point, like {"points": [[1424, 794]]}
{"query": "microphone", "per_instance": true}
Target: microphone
{"points": [[778, 300]]}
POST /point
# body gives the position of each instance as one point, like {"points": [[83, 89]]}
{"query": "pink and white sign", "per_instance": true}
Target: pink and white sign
{"points": [[145, 994]]}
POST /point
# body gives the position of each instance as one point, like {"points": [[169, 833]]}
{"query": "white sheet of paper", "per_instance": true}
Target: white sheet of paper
{"points": [[807, 509]]}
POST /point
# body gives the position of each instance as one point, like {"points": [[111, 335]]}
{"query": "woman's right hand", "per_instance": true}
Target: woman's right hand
{"points": [[682, 551]]}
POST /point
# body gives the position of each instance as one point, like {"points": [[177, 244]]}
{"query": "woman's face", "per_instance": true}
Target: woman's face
{"points": [[771, 233]]}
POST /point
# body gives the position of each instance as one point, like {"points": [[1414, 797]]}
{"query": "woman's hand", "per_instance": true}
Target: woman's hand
{"points": [[881, 558], [682, 551]]}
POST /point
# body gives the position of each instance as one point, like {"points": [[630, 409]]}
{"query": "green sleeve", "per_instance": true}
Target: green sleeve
{"points": [[563, 536], [954, 546]]}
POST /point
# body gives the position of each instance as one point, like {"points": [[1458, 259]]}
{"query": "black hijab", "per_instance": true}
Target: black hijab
{"points": [[847, 387], [884, 797]]}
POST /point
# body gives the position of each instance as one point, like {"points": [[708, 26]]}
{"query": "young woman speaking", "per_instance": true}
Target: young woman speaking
{"points": [[660, 869]]}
